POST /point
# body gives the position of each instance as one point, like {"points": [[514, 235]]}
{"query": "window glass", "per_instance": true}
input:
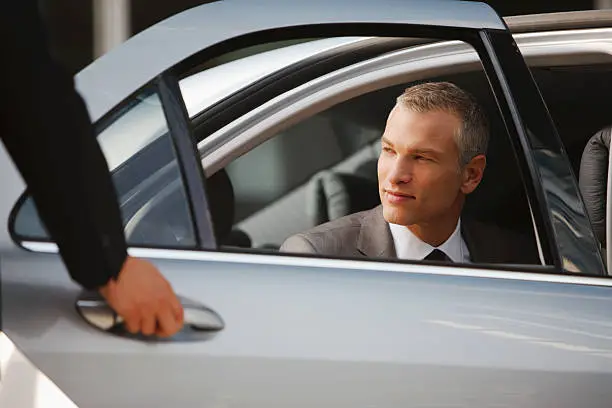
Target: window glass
{"points": [[139, 151]]}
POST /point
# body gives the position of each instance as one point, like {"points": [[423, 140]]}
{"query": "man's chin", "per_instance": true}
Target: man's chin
{"points": [[397, 216]]}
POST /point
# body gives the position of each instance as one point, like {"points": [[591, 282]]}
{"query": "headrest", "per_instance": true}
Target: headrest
{"points": [[593, 179], [368, 169], [220, 195], [332, 195]]}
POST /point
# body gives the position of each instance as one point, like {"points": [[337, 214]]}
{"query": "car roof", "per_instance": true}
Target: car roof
{"points": [[111, 78], [128, 67]]}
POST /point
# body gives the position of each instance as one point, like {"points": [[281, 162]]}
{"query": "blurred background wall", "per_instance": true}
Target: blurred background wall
{"points": [[80, 31]]}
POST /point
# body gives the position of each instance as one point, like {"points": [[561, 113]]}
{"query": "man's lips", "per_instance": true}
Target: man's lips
{"points": [[396, 196]]}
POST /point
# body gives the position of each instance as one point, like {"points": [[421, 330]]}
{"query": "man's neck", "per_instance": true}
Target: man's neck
{"points": [[435, 234]]}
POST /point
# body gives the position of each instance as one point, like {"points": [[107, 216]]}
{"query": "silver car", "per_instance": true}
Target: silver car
{"points": [[235, 124]]}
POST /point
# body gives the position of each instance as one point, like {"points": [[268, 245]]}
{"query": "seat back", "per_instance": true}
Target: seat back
{"points": [[334, 194], [221, 204], [593, 180]]}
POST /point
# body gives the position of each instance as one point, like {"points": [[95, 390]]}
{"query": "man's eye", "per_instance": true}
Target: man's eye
{"points": [[387, 150]]}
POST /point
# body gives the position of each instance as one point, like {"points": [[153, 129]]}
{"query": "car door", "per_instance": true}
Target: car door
{"points": [[279, 330]]}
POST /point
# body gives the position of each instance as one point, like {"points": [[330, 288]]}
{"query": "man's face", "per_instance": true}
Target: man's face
{"points": [[419, 177]]}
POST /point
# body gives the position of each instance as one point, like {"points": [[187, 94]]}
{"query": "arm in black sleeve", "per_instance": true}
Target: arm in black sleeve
{"points": [[46, 129]]}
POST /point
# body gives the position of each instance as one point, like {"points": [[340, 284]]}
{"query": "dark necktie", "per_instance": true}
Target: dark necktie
{"points": [[437, 255]]}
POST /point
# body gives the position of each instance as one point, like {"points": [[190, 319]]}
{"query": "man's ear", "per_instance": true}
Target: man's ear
{"points": [[472, 173]]}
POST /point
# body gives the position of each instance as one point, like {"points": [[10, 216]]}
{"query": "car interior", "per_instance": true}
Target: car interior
{"points": [[325, 167]]}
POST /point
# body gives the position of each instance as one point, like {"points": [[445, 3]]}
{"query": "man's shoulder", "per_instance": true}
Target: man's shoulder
{"points": [[348, 222], [338, 237]]}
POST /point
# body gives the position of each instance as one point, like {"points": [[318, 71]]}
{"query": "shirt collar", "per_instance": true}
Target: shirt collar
{"points": [[409, 246]]}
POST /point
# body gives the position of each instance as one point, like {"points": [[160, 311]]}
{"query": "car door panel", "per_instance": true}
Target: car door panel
{"points": [[349, 336]]}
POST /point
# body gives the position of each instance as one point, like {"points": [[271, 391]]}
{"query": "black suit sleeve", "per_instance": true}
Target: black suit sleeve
{"points": [[46, 129]]}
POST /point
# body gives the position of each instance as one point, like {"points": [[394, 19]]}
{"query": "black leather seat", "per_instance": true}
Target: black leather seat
{"points": [[221, 205], [593, 180]]}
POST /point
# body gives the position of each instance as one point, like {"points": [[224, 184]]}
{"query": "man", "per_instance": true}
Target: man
{"points": [[45, 127], [432, 157]]}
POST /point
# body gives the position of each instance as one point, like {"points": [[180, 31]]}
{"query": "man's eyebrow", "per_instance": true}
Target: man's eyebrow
{"points": [[426, 151], [413, 151], [386, 141]]}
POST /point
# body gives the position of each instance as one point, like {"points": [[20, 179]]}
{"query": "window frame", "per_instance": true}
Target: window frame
{"points": [[557, 245], [209, 149], [543, 210]]}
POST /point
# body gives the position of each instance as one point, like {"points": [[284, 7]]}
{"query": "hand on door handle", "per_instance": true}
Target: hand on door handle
{"points": [[198, 318]]}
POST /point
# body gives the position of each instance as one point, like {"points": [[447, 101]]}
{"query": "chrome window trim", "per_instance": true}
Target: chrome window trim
{"points": [[327, 263]]}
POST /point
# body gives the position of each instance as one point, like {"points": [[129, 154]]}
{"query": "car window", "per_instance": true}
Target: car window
{"points": [[324, 168], [138, 148]]}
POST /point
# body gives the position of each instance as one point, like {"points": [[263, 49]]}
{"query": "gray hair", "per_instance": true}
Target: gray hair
{"points": [[473, 137]]}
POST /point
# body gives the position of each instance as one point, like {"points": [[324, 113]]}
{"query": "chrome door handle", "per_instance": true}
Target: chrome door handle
{"points": [[198, 319]]}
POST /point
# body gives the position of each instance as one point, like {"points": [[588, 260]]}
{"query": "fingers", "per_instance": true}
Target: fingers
{"points": [[132, 322], [161, 321], [170, 313], [145, 300], [177, 310], [167, 324], [148, 324], [170, 319]]}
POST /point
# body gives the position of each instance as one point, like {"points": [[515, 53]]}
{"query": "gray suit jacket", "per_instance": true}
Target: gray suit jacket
{"points": [[367, 234]]}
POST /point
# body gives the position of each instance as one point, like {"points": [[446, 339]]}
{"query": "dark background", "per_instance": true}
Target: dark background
{"points": [[70, 23]]}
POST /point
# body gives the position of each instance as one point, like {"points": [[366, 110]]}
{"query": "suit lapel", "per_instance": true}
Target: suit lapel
{"points": [[375, 238]]}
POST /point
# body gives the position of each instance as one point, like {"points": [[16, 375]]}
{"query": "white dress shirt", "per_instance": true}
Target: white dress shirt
{"points": [[409, 246]]}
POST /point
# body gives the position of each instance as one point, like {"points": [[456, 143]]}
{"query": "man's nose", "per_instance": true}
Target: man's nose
{"points": [[401, 172]]}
